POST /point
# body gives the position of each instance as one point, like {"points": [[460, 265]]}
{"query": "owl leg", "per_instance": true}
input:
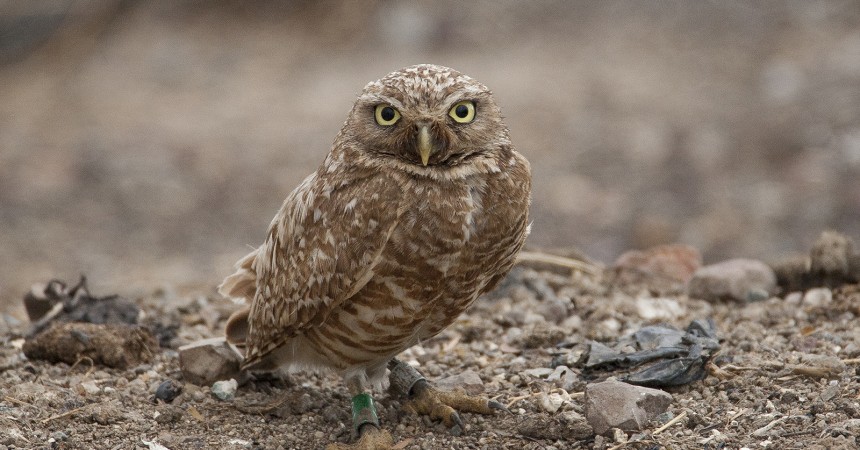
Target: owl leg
{"points": [[424, 399], [365, 423]]}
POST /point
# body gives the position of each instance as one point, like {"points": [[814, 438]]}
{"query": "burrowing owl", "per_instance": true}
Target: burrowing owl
{"points": [[420, 207]]}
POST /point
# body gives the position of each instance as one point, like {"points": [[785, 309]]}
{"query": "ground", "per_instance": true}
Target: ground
{"points": [[787, 377], [149, 144]]}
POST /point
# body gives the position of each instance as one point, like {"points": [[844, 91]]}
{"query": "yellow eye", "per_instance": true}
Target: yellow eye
{"points": [[463, 112], [386, 115]]}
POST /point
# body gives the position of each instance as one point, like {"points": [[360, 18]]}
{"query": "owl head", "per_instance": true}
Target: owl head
{"points": [[426, 116]]}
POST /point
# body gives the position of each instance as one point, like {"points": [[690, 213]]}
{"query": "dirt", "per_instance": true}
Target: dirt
{"points": [[787, 376]]}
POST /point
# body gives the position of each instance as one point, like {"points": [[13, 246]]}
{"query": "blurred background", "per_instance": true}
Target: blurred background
{"points": [[149, 144]]}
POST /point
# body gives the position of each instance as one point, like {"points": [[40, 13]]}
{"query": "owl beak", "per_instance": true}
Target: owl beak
{"points": [[425, 144]]}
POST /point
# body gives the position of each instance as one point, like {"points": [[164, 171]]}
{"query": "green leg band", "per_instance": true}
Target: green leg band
{"points": [[363, 412]]}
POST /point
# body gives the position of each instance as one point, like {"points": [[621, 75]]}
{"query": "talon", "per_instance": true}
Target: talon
{"points": [[497, 406], [457, 420], [438, 405]]}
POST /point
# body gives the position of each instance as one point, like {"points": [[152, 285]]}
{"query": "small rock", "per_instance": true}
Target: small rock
{"points": [[830, 392], [737, 279], [852, 425], [241, 443], [538, 372], [551, 402], [658, 308], [169, 414], [59, 436], [558, 373], [613, 404], [817, 297], [225, 390], [468, 380], [90, 387], [168, 390], [207, 361]]}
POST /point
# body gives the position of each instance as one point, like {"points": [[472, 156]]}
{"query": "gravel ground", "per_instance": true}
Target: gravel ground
{"points": [[146, 143], [787, 377]]}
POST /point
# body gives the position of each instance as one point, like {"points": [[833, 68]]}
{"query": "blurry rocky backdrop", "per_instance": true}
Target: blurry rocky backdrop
{"points": [[149, 144]]}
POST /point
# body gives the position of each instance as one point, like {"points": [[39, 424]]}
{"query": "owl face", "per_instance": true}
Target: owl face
{"points": [[427, 115]]}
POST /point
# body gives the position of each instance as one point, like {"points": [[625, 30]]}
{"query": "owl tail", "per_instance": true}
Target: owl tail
{"points": [[236, 330], [242, 285]]}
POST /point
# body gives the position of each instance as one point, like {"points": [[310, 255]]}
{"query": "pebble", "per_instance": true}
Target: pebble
{"points": [[225, 390], [818, 297], [830, 392], [551, 402], [59, 436], [90, 387], [613, 404], [736, 279], [659, 308], [537, 372], [168, 390], [468, 380]]}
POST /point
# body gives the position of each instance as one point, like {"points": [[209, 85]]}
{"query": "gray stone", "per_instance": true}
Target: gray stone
{"points": [[91, 388], [735, 279], [468, 380], [225, 390], [613, 404], [207, 361]]}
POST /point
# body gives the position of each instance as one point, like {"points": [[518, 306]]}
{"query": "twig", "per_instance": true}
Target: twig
{"points": [[555, 260], [736, 415], [521, 397], [20, 402], [668, 424], [88, 359], [451, 344], [814, 372], [738, 368], [763, 430], [65, 414], [851, 361]]}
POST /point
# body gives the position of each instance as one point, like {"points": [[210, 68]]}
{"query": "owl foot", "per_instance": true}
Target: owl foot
{"points": [[444, 406]]}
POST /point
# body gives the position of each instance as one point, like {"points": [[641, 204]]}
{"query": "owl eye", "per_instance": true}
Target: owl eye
{"points": [[463, 112], [386, 115]]}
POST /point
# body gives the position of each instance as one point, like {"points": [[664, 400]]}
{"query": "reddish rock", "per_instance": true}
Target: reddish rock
{"points": [[675, 261]]}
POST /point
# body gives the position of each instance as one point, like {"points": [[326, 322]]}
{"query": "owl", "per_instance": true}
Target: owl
{"points": [[420, 207]]}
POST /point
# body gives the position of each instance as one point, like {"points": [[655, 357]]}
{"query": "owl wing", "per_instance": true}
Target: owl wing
{"points": [[321, 249]]}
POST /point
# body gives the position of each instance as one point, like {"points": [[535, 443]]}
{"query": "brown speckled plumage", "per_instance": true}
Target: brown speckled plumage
{"points": [[375, 251]]}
